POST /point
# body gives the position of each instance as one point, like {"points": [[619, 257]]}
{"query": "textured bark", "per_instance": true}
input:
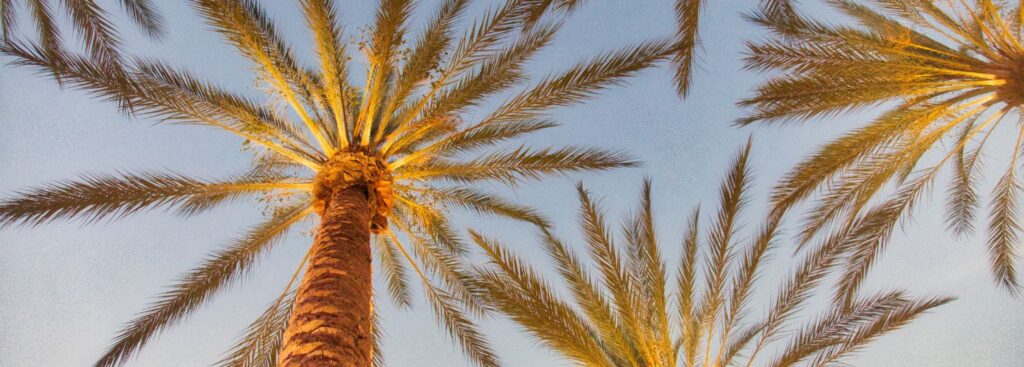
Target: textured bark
{"points": [[331, 320]]}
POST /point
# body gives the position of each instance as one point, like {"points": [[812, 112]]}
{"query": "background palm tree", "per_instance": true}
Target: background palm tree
{"points": [[381, 165], [625, 317], [949, 75], [87, 19]]}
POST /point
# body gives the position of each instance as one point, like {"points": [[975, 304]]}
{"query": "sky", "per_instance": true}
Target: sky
{"points": [[67, 288]]}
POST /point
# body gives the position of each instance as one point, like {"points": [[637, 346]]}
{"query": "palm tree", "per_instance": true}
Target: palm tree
{"points": [[87, 19], [949, 77], [380, 165], [629, 316], [688, 36]]}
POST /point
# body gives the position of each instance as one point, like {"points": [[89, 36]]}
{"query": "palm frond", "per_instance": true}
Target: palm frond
{"points": [[886, 322], [644, 262], [618, 319], [1003, 226], [97, 197], [688, 41], [144, 14], [394, 272], [520, 164], [7, 20], [590, 299], [836, 325], [323, 22], [717, 263], [935, 69], [426, 54], [963, 198], [198, 286], [516, 289], [686, 281], [447, 312], [95, 29], [46, 26], [482, 203], [158, 91], [386, 36], [262, 340], [583, 81], [245, 25]]}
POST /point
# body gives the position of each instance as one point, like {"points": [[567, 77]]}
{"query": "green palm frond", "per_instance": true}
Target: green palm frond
{"points": [[597, 328], [940, 73]]}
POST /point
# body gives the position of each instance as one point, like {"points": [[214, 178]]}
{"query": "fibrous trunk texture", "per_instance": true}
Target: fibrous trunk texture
{"points": [[331, 321]]}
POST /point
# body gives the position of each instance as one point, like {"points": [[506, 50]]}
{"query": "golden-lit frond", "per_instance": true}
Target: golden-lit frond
{"points": [[686, 280], [687, 37], [198, 286], [582, 81], [249, 29], [942, 72], [7, 20], [393, 268], [518, 291], [262, 340], [1004, 227], [323, 22], [97, 31], [687, 18], [97, 197], [408, 126], [617, 320], [517, 165], [87, 19]]}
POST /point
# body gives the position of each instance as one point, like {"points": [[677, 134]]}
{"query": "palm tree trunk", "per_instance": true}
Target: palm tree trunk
{"points": [[332, 317]]}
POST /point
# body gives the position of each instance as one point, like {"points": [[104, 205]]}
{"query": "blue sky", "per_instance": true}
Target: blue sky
{"points": [[66, 289]]}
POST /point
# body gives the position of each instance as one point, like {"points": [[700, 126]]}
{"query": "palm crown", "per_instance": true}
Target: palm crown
{"points": [[630, 315], [950, 74], [401, 134]]}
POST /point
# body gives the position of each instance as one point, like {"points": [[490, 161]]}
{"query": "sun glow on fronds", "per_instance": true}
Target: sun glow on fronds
{"points": [[951, 74], [406, 114], [626, 314]]}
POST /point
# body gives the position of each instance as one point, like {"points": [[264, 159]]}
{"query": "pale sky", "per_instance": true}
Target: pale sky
{"points": [[66, 289]]}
